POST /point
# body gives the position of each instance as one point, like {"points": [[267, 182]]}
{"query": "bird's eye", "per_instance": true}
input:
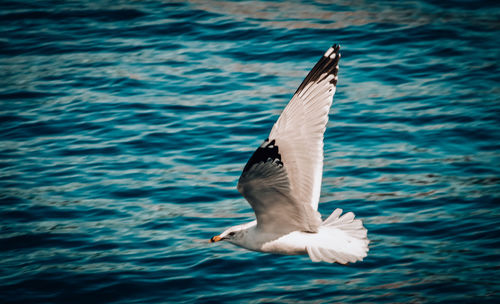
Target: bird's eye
{"points": [[231, 233]]}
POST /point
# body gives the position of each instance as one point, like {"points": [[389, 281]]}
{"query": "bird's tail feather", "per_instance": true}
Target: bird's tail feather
{"points": [[341, 239]]}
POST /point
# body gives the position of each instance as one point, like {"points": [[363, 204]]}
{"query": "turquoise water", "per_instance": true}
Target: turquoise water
{"points": [[125, 126]]}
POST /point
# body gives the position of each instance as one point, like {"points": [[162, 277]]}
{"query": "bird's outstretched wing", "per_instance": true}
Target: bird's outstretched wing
{"points": [[282, 179]]}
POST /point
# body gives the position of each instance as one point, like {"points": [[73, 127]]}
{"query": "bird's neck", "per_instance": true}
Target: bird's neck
{"points": [[253, 239]]}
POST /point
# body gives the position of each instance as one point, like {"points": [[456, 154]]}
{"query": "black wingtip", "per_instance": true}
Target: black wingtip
{"points": [[328, 64], [268, 151], [332, 52]]}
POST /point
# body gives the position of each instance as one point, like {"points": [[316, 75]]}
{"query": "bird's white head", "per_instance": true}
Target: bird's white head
{"points": [[235, 234]]}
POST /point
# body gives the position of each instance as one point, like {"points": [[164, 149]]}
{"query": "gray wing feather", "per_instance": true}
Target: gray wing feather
{"points": [[266, 187]]}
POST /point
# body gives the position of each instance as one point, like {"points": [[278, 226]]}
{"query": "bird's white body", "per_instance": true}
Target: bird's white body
{"points": [[282, 181], [340, 239], [297, 242]]}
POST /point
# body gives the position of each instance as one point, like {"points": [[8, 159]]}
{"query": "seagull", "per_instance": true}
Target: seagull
{"points": [[282, 182]]}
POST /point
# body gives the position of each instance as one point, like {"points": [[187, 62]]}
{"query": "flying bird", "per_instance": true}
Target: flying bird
{"points": [[282, 182]]}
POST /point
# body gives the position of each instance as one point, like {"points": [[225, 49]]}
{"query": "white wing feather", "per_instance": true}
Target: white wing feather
{"points": [[282, 179], [300, 128]]}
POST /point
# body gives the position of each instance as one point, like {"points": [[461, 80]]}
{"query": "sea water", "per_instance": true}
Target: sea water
{"points": [[124, 127]]}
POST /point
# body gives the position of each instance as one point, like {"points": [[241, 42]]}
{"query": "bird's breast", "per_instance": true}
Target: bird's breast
{"points": [[293, 243]]}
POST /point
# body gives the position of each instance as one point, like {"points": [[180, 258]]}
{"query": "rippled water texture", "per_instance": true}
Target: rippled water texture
{"points": [[124, 128]]}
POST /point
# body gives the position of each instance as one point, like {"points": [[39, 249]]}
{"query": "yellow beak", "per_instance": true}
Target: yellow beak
{"points": [[215, 239]]}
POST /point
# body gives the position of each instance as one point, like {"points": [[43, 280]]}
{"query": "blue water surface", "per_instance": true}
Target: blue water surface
{"points": [[124, 126]]}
